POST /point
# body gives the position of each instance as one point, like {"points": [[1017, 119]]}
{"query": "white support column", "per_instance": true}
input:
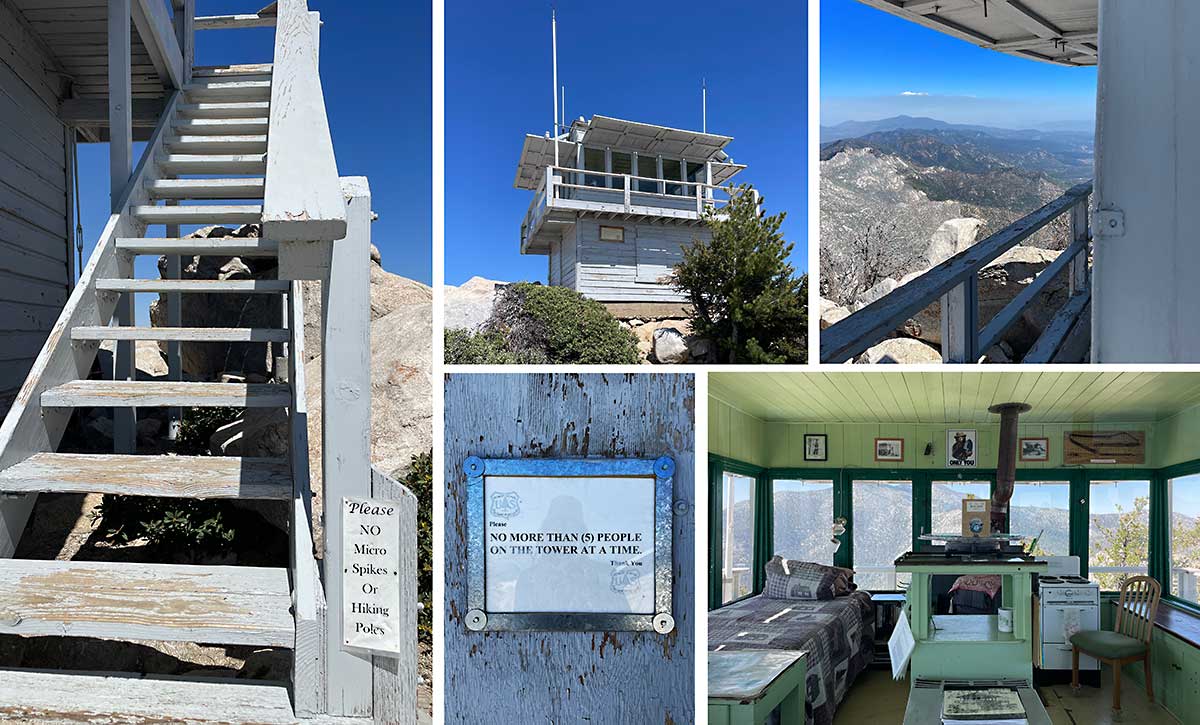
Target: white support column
{"points": [[960, 323], [346, 429], [120, 165], [1145, 300], [185, 31]]}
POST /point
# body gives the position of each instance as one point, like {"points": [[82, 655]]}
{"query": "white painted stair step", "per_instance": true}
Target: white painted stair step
{"points": [[205, 188], [221, 126], [216, 246], [232, 286], [228, 90], [131, 601], [58, 697], [200, 214], [168, 476], [221, 145], [156, 394], [243, 109], [213, 163], [183, 334]]}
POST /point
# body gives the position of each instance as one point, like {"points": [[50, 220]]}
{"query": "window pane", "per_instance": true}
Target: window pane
{"points": [[803, 520], [647, 170], [622, 163], [1118, 531], [695, 172], [672, 171], [593, 160], [1184, 495], [882, 531], [946, 500], [1042, 509], [737, 517]]}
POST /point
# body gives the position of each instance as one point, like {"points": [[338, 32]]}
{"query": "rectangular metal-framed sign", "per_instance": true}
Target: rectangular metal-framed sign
{"points": [[570, 544]]}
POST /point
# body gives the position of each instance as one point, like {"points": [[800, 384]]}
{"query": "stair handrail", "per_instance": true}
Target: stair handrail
{"points": [[954, 282], [29, 429], [302, 199]]}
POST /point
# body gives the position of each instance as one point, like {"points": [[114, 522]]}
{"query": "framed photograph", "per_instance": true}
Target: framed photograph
{"points": [[889, 449], [816, 447], [1034, 449], [961, 448]]}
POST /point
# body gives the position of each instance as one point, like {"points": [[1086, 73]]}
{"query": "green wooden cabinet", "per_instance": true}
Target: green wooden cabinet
{"points": [[745, 686]]}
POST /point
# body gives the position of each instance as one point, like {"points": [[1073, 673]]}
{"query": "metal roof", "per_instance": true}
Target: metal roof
{"points": [[644, 138], [1063, 32]]}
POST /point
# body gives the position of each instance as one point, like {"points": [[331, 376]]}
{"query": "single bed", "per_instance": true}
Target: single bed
{"points": [[837, 633]]}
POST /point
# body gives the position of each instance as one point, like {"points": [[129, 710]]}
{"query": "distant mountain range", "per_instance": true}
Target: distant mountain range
{"points": [[888, 185], [1062, 130]]}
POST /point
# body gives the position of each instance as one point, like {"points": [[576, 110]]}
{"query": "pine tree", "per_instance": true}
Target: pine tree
{"points": [[743, 294]]}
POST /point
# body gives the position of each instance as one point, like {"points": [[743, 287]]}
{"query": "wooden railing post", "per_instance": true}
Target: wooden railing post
{"points": [[960, 322], [1077, 275], [346, 429], [628, 192], [549, 186]]}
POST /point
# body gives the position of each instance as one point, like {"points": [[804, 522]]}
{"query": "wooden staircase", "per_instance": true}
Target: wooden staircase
{"points": [[209, 148]]}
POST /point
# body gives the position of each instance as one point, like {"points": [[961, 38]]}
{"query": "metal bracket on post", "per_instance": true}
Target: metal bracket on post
{"points": [[1110, 222], [960, 322]]}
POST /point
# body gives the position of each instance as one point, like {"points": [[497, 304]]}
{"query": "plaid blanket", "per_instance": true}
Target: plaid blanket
{"points": [[837, 633]]}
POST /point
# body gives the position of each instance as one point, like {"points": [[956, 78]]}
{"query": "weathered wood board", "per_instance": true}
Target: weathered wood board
{"points": [[167, 602], [600, 677], [1106, 446]]}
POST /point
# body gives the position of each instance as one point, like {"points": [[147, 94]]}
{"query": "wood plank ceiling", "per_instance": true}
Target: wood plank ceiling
{"points": [[75, 33], [956, 397]]}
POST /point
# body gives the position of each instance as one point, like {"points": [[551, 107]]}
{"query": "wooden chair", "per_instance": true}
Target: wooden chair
{"points": [[1130, 639]]}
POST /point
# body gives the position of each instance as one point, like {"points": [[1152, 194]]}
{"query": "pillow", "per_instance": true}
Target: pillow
{"points": [[788, 579], [844, 584]]}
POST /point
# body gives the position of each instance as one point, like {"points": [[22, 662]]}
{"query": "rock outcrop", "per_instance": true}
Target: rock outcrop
{"points": [[952, 237], [470, 304], [832, 313], [901, 350], [206, 361]]}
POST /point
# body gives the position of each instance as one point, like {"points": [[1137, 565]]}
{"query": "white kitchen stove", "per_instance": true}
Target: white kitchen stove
{"points": [[1066, 604]]}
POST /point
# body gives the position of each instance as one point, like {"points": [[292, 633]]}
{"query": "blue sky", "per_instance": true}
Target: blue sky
{"points": [[375, 72], [870, 58], [634, 60]]}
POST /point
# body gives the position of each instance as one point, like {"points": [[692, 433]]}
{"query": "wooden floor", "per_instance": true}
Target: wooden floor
{"points": [[876, 699]]}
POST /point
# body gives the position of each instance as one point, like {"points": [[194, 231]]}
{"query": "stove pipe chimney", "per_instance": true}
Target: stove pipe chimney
{"points": [[1006, 462]]}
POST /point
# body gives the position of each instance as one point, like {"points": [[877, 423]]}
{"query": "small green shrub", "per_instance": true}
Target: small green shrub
{"points": [[419, 480], [536, 324], [198, 528], [464, 347]]}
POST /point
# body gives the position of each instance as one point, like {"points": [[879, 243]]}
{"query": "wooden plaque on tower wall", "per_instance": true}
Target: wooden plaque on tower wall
{"points": [[1104, 446]]}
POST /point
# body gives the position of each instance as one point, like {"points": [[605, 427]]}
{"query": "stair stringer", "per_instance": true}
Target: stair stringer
{"points": [[29, 428]]}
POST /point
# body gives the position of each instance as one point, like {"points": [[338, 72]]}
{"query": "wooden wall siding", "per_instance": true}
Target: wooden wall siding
{"points": [[625, 271], [34, 234], [555, 264], [544, 677], [735, 434], [568, 260], [851, 445]]}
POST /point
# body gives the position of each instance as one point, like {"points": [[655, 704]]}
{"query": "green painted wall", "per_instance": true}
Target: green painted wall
{"points": [[1177, 439], [851, 445], [734, 434]]}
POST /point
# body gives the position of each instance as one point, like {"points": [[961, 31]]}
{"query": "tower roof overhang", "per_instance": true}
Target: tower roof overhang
{"points": [[1063, 32], [629, 136]]}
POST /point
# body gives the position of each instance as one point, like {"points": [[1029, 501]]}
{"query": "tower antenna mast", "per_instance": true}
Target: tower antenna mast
{"points": [[554, 88]]}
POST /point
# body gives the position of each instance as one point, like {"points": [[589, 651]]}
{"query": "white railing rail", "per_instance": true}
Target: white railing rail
{"points": [[302, 199], [633, 187], [954, 283]]}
